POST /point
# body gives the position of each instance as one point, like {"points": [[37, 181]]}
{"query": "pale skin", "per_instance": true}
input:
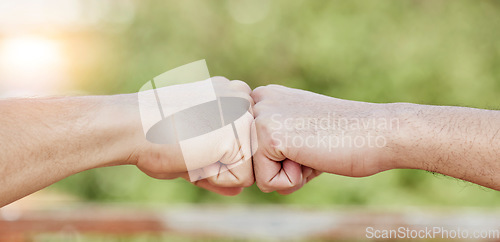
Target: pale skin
{"points": [[46, 140]]}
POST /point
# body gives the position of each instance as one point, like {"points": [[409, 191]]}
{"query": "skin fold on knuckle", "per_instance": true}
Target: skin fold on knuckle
{"points": [[259, 93], [229, 180], [240, 175], [223, 180]]}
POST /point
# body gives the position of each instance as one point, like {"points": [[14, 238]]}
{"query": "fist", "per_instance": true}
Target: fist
{"points": [[302, 134], [203, 135]]}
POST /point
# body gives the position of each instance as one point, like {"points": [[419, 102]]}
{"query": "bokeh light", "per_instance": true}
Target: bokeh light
{"points": [[30, 65], [41, 41]]}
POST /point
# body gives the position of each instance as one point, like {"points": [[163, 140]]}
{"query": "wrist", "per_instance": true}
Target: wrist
{"points": [[117, 127], [408, 146]]}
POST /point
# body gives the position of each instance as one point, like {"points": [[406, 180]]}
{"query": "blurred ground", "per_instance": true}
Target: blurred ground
{"points": [[69, 220]]}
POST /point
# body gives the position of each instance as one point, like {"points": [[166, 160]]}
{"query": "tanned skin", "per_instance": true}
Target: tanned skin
{"points": [[456, 141]]}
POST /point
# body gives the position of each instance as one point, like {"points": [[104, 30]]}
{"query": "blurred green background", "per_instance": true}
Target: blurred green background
{"points": [[430, 52]]}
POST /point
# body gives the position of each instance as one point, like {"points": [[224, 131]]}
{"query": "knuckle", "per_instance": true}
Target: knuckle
{"points": [[257, 109], [245, 182], [275, 86], [250, 100], [219, 79], [241, 85], [261, 108], [231, 152], [248, 183], [226, 179], [259, 92], [263, 124], [223, 180]]}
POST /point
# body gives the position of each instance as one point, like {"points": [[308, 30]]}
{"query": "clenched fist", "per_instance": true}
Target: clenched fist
{"points": [[302, 134], [204, 135]]}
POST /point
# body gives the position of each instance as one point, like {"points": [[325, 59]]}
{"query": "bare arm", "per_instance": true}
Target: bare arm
{"points": [[44, 140], [300, 130], [455, 141]]}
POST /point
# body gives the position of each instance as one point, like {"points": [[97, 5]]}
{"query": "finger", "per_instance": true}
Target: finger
{"points": [[306, 171], [219, 79], [313, 175], [238, 140], [291, 190], [234, 168], [225, 88], [238, 145], [226, 191], [203, 183], [257, 109], [242, 86], [239, 174], [254, 139], [307, 175], [273, 171], [259, 93], [273, 175]]}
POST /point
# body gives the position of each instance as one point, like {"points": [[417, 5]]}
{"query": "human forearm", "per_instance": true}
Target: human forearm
{"points": [[45, 140], [455, 141], [298, 129]]}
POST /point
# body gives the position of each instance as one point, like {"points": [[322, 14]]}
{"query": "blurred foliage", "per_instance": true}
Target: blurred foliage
{"points": [[433, 52]]}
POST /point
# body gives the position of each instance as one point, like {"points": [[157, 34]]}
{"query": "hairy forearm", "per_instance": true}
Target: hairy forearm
{"points": [[455, 141], [45, 140]]}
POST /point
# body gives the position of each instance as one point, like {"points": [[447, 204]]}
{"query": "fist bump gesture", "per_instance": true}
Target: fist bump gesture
{"points": [[223, 136], [286, 137], [203, 135], [281, 139]]}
